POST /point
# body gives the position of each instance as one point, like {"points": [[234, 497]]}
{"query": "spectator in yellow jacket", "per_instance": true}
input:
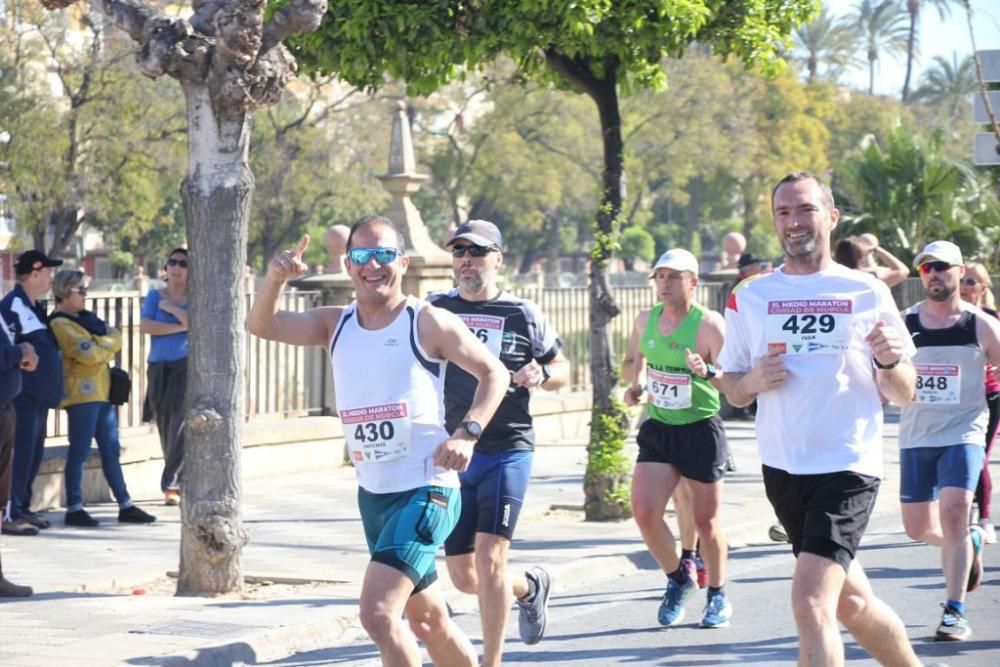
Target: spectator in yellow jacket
{"points": [[87, 345]]}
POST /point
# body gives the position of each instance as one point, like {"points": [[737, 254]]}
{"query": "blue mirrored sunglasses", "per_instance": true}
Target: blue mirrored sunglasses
{"points": [[383, 256]]}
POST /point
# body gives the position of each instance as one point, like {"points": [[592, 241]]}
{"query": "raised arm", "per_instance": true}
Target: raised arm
{"points": [[313, 327], [894, 270]]}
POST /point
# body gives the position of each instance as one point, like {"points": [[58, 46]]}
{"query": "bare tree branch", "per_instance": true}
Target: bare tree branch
{"points": [[296, 16]]}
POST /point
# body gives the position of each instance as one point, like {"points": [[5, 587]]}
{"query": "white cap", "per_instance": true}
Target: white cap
{"points": [[677, 259], [941, 251]]}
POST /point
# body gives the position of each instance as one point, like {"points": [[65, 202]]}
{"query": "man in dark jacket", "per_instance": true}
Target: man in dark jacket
{"points": [[40, 390], [13, 358]]}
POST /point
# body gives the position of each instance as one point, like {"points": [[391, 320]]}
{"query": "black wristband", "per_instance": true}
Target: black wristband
{"points": [[885, 367]]}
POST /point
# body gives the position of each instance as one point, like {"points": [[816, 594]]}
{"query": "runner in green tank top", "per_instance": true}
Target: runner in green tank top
{"points": [[685, 396], [684, 438]]}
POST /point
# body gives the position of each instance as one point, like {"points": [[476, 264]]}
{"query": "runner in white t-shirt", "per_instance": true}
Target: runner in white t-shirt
{"points": [[804, 341]]}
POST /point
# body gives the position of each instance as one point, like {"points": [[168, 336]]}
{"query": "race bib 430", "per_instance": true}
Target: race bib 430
{"points": [[378, 433]]}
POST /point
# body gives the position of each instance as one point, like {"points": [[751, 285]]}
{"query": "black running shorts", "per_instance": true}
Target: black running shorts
{"points": [[697, 450], [826, 514]]}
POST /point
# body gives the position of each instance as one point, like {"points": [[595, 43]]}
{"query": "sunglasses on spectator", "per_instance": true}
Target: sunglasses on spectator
{"points": [[383, 256], [970, 282], [81, 290], [183, 263], [927, 267], [473, 250]]}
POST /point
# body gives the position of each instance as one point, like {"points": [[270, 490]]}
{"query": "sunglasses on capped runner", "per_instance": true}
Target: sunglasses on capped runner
{"points": [[473, 250], [383, 256], [927, 267]]}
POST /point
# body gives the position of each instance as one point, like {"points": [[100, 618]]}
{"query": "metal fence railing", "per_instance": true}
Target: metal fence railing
{"points": [[279, 379], [286, 380], [568, 310]]}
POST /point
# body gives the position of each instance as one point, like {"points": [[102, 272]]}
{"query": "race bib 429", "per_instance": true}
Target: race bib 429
{"points": [[809, 326]]}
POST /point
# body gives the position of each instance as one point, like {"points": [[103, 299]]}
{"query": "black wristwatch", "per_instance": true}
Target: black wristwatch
{"points": [[545, 375], [711, 371], [472, 428]]}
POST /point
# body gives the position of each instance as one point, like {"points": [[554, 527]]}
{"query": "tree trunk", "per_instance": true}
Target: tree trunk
{"points": [[693, 218], [217, 194], [606, 485], [65, 222], [910, 46], [552, 251]]}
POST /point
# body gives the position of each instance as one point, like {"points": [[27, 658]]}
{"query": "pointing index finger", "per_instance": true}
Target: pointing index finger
{"points": [[301, 247]]}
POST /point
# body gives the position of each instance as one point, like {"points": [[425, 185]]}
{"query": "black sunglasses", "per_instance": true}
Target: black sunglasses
{"points": [[970, 282], [81, 290], [473, 250], [183, 263]]}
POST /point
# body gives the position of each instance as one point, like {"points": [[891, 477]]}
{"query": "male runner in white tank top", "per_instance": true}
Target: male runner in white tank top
{"points": [[388, 353], [942, 432]]}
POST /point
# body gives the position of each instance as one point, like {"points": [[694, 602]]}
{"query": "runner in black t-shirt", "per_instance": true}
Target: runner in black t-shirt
{"points": [[493, 487]]}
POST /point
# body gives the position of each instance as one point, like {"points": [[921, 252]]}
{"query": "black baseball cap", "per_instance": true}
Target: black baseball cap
{"points": [[32, 260], [481, 232]]}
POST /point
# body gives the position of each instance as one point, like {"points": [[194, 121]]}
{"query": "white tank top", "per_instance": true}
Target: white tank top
{"points": [[390, 399]]}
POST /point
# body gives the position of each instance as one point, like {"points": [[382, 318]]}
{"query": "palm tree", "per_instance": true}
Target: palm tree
{"points": [[948, 84], [913, 8], [883, 26], [910, 193], [828, 41]]}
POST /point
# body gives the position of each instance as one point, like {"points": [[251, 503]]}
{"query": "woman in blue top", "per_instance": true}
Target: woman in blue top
{"points": [[165, 320]]}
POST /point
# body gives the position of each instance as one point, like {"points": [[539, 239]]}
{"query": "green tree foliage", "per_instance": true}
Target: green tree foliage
{"points": [[948, 85], [828, 44], [636, 243], [913, 8], [679, 140], [594, 47], [520, 155], [788, 121], [101, 153], [313, 156], [884, 32], [909, 194]]}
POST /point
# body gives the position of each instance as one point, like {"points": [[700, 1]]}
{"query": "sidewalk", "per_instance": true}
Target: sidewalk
{"points": [[103, 598]]}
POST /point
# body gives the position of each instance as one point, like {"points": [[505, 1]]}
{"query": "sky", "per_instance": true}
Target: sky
{"points": [[937, 38]]}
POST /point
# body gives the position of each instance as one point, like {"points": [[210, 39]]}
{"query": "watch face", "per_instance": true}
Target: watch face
{"points": [[473, 428]]}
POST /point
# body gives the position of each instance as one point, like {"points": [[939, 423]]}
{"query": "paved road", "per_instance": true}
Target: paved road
{"points": [[614, 622]]}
